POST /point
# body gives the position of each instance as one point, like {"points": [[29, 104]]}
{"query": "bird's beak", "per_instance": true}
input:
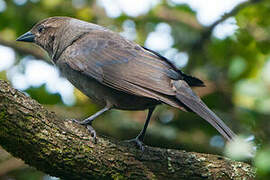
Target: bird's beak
{"points": [[27, 37]]}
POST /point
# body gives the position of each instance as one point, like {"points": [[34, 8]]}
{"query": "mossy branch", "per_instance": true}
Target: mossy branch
{"points": [[64, 149]]}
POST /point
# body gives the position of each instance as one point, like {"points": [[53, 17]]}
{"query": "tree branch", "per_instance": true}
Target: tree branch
{"points": [[64, 149], [233, 12], [173, 16], [208, 31], [26, 50]]}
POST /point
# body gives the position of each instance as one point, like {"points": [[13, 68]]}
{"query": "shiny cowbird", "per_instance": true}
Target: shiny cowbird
{"points": [[117, 73]]}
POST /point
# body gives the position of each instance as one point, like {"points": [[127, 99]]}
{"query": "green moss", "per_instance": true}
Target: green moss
{"points": [[2, 119], [2, 114], [87, 149], [29, 117], [117, 176], [170, 167]]}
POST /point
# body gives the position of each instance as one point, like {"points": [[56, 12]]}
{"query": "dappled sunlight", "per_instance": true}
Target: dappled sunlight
{"points": [[3, 6], [7, 57], [36, 73], [253, 93], [160, 39], [240, 149], [129, 28], [208, 11], [225, 29], [130, 7]]}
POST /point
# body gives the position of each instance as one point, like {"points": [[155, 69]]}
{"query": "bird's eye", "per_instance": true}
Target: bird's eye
{"points": [[40, 29]]}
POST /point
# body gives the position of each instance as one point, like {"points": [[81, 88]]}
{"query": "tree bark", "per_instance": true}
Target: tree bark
{"points": [[64, 149]]}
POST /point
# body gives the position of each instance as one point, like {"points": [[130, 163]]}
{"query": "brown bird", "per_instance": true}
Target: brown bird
{"points": [[117, 73]]}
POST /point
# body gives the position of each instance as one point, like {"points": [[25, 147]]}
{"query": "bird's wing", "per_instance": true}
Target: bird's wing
{"points": [[121, 64]]}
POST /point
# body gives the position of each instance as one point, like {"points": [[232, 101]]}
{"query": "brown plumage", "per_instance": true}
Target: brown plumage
{"points": [[117, 73]]}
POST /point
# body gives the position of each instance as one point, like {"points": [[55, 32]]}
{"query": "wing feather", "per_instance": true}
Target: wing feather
{"points": [[120, 64]]}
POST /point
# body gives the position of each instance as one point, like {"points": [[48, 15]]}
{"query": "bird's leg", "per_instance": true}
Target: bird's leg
{"points": [[88, 122], [139, 139]]}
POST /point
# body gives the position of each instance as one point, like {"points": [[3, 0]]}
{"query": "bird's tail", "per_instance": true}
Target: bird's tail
{"points": [[187, 97]]}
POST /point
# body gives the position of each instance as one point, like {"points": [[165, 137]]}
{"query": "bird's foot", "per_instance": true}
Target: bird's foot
{"points": [[89, 128], [79, 122], [137, 142]]}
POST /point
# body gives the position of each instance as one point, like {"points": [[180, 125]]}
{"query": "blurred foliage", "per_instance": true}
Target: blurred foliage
{"points": [[43, 96], [24, 174], [235, 69]]}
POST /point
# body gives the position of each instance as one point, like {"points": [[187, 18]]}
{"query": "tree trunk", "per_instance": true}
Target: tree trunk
{"points": [[64, 149]]}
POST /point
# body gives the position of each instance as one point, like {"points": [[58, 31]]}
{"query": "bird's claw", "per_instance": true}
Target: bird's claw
{"points": [[78, 122], [137, 142], [92, 132], [89, 128]]}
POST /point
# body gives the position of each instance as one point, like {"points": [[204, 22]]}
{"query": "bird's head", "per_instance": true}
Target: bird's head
{"points": [[45, 32], [54, 34]]}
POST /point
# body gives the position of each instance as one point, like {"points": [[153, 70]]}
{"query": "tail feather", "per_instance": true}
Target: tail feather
{"points": [[193, 102]]}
